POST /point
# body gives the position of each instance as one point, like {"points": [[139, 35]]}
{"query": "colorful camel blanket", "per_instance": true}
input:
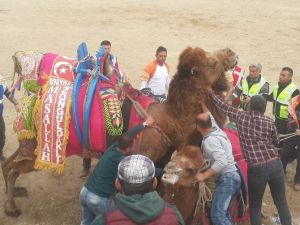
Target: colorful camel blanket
{"points": [[112, 112], [54, 117], [27, 65], [23, 124], [53, 123]]}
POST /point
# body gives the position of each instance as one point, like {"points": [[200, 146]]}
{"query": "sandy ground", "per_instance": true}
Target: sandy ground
{"points": [[260, 31]]}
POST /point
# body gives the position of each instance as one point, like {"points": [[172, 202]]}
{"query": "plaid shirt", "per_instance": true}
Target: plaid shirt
{"points": [[257, 132]]}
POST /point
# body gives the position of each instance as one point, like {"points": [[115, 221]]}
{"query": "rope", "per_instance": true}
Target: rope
{"points": [[287, 136], [204, 196]]}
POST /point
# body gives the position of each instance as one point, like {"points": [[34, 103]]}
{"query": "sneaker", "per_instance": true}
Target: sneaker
{"points": [[297, 187]]}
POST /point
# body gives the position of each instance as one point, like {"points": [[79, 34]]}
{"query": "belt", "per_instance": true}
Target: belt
{"points": [[263, 163]]}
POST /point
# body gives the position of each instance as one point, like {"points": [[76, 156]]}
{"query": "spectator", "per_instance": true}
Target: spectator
{"points": [[251, 85], [138, 202], [4, 90], [259, 138], [156, 74], [96, 195]]}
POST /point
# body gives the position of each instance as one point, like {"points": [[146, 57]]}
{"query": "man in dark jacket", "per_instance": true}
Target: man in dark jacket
{"points": [[137, 201], [4, 91], [96, 195]]}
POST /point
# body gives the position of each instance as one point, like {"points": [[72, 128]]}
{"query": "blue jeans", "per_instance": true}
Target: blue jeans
{"points": [[93, 205], [227, 185], [258, 177]]}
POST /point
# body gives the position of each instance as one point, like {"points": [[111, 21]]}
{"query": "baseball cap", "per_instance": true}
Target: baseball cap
{"points": [[136, 169]]}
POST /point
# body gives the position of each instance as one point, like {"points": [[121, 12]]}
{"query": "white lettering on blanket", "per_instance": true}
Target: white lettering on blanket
{"points": [[53, 120]]}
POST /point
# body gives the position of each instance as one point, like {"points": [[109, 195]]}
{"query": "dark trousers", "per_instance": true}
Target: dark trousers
{"points": [[2, 134], [258, 177], [291, 150], [281, 125]]}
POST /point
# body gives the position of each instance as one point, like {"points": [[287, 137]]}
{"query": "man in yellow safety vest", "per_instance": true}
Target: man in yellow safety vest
{"points": [[281, 96], [251, 85]]}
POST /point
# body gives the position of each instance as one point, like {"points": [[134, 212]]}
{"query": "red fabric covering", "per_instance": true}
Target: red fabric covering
{"points": [[239, 158], [97, 124], [135, 118], [45, 67]]}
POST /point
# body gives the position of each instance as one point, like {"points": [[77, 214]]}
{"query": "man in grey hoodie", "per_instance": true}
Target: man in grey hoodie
{"points": [[217, 149]]}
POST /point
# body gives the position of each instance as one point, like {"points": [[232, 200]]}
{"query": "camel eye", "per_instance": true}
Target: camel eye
{"points": [[191, 170]]}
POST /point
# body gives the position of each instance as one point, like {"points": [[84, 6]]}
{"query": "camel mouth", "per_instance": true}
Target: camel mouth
{"points": [[170, 178]]}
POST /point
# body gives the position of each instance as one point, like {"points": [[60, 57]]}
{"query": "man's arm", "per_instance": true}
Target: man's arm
{"points": [[213, 148], [265, 89], [295, 93], [236, 93], [10, 97], [268, 97], [275, 136], [135, 130], [229, 110]]}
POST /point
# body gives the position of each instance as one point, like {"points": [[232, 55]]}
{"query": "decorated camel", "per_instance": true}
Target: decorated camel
{"points": [[197, 72], [70, 107]]}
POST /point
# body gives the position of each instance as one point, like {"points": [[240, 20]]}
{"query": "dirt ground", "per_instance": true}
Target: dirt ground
{"points": [[260, 31]]}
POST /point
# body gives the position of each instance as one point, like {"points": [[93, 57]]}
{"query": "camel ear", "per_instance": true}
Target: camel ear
{"points": [[154, 183]]}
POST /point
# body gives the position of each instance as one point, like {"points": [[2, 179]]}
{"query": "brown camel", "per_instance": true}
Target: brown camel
{"points": [[190, 197], [197, 73], [180, 187]]}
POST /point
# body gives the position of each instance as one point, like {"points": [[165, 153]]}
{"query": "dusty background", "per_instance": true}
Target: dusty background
{"points": [[260, 31]]}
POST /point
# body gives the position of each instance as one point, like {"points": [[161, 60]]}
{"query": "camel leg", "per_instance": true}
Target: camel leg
{"points": [[7, 165], [10, 205]]}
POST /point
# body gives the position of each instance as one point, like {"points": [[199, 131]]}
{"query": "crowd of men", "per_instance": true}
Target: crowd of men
{"points": [[134, 177]]}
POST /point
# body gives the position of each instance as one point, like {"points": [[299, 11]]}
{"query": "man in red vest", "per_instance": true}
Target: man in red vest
{"points": [[138, 202]]}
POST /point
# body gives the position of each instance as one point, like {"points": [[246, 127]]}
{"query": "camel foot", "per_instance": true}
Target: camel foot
{"points": [[11, 212], [20, 192]]}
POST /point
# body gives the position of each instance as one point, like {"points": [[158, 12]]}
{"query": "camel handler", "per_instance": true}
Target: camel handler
{"points": [[156, 74], [87, 161], [249, 86], [218, 150], [4, 90], [259, 139], [138, 202], [281, 96], [291, 146], [96, 195]]}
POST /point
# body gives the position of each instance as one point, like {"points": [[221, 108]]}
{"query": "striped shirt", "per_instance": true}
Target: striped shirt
{"points": [[257, 132]]}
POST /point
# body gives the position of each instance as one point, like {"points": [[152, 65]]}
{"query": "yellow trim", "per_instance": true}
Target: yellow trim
{"points": [[43, 165]]}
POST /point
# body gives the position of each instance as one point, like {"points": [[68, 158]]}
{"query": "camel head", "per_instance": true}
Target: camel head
{"points": [[227, 57], [179, 186], [183, 167]]}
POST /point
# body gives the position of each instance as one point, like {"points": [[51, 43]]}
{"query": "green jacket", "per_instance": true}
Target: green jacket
{"points": [[102, 180], [141, 209]]}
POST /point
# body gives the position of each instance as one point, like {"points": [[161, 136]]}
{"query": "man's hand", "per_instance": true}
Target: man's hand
{"points": [[200, 177], [298, 132], [150, 120], [247, 100]]}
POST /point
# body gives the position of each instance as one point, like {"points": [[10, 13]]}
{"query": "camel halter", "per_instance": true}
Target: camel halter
{"points": [[204, 195]]}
